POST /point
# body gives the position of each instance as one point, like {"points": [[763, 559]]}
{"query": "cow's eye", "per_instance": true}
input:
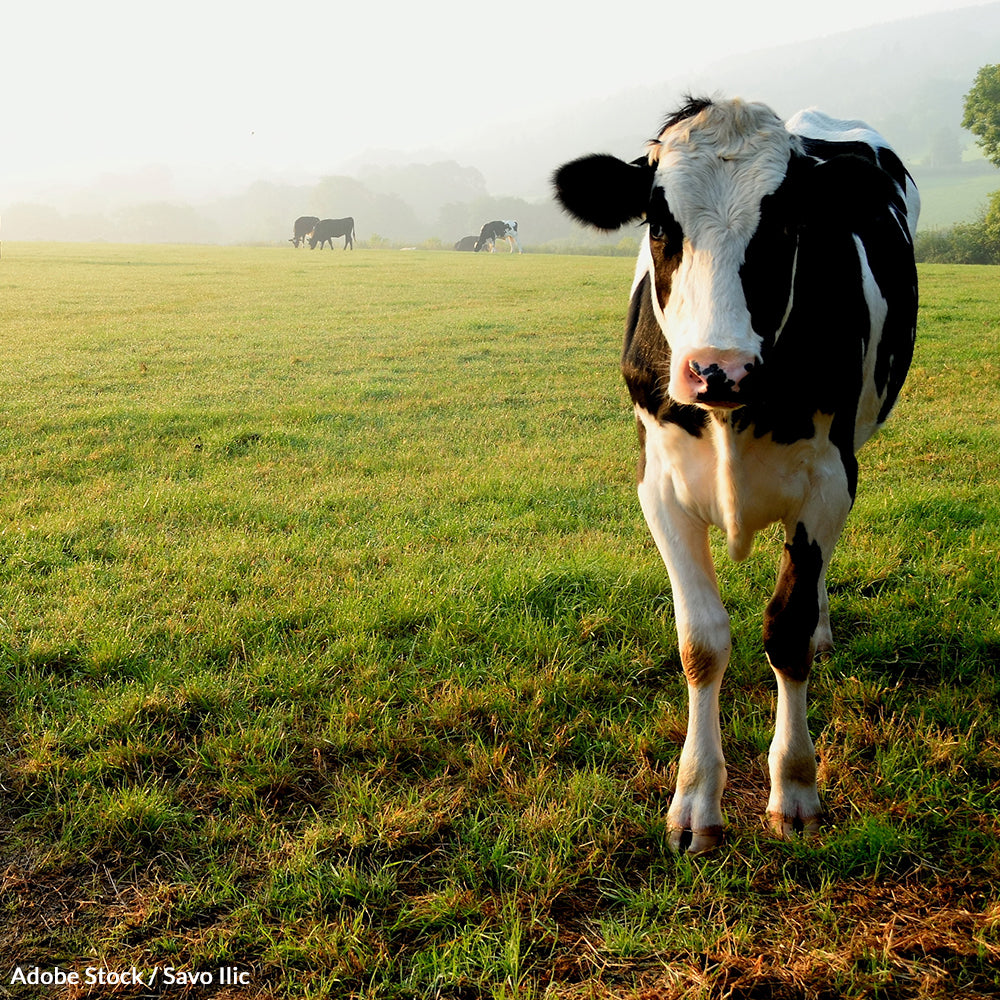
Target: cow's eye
{"points": [[666, 231], [663, 227]]}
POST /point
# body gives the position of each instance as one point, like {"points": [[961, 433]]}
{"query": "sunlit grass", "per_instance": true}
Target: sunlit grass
{"points": [[334, 645]]}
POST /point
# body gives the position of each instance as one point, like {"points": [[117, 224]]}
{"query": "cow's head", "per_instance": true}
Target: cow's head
{"points": [[700, 188]]}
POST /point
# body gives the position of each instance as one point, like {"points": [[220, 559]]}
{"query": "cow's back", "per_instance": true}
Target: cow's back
{"points": [[883, 235], [824, 136]]}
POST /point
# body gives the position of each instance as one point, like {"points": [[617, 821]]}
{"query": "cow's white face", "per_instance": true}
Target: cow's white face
{"points": [[712, 172]]}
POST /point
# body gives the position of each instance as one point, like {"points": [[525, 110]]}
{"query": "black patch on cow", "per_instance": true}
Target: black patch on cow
{"points": [[816, 364], [893, 166], [664, 229], [646, 366], [603, 191], [887, 247], [766, 272], [827, 149], [848, 191], [666, 244], [793, 612], [895, 349]]}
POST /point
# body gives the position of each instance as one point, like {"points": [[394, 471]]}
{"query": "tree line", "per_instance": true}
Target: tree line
{"points": [[976, 242], [427, 205]]}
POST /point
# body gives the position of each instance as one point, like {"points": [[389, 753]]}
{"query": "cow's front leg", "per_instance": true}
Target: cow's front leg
{"points": [[796, 627], [695, 815], [793, 805]]}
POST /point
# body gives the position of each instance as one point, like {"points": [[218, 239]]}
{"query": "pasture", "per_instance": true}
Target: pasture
{"points": [[334, 649]]}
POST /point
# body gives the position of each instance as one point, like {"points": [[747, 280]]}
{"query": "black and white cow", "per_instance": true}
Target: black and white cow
{"points": [[501, 229], [467, 243], [329, 229], [770, 329]]}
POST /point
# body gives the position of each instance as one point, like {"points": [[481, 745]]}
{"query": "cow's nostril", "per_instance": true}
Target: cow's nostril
{"points": [[717, 379], [712, 375]]}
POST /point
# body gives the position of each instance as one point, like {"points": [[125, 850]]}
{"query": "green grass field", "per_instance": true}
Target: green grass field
{"points": [[334, 650]]}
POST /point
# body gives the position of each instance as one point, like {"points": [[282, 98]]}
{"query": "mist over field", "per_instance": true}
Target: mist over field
{"points": [[907, 78]]}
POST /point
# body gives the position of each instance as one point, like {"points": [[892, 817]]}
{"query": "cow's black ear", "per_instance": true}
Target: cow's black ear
{"points": [[603, 191]]}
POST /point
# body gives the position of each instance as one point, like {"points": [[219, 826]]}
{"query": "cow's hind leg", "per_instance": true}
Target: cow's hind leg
{"points": [[695, 815]]}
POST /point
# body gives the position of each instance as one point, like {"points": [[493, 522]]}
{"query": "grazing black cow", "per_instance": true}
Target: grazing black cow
{"points": [[302, 228], [329, 229], [501, 229], [467, 243], [770, 329]]}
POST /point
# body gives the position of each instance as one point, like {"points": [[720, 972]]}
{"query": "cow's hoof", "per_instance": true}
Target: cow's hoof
{"points": [[788, 827], [696, 841]]}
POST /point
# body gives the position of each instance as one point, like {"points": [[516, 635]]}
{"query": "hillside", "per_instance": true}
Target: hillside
{"points": [[907, 78]]}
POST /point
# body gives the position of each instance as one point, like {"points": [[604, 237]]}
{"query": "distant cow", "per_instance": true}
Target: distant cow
{"points": [[467, 243], [501, 229], [303, 227], [329, 229], [770, 328]]}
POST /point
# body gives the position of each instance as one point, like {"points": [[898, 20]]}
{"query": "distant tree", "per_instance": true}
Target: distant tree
{"points": [[28, 221], [426, 187], [162, 222], [946, 148], [990, 221], [982, 111], [457, 219]]}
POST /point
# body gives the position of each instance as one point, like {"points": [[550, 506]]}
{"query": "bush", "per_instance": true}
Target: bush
{"points": [[966, 242]]}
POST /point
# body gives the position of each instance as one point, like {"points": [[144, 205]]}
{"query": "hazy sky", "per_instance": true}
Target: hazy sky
{"points": [[112, 85]]}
